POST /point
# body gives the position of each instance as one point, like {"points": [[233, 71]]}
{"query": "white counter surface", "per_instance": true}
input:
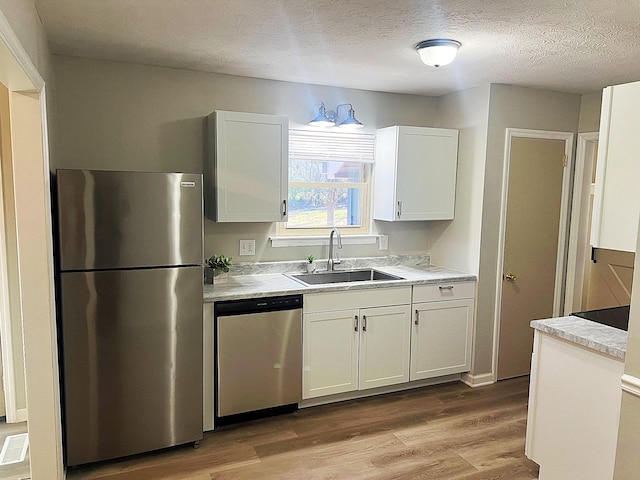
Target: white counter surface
{"points": [[595, 336], [273, 284]]}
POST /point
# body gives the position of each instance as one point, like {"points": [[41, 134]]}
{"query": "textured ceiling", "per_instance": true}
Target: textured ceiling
{"points": [[575, 46]]}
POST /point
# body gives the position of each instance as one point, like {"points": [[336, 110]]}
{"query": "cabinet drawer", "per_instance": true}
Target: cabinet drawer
{"points": [[443, 291]]}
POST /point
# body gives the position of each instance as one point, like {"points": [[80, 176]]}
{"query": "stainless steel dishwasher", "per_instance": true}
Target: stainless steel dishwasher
{"points": [[258, 354]]}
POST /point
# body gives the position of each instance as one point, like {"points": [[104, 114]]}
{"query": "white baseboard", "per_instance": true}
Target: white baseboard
{"points": [[480, 380], [341, 397]]}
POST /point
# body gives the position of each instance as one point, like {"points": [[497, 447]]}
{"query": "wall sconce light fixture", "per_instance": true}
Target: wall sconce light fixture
{"points": [[329, 118], [438, 51]]}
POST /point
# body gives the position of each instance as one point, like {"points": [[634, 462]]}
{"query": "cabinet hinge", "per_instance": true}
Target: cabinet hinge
{"points": [[565, 160]]}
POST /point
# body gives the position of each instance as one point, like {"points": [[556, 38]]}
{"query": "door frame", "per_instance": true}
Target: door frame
{"points": [[22, 78], [510, 134], [7, 323], [578, 236]]}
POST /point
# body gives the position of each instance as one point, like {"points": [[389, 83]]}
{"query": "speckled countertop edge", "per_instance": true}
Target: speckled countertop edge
{"points": [[266, 285], [598, 337]]}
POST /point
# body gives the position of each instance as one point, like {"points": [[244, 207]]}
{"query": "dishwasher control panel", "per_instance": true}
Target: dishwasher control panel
{"points": [[265, 304]]}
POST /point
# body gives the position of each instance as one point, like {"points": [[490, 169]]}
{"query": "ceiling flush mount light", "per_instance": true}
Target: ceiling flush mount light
{"points": [[329, 118], [438, 51]]}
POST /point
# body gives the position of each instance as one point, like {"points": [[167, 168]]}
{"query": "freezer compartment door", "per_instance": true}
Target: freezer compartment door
{"points": [[132, 361], [109, 220]]}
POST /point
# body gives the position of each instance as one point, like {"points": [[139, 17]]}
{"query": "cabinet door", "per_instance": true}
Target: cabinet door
{"points": [[250, 157], [616, 208], [415, 173], [330, 354], [426, 173], [384, 346], [441, 338]]}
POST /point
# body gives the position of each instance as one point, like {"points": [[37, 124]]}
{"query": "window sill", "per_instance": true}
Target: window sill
{"points": [[277, 242]]}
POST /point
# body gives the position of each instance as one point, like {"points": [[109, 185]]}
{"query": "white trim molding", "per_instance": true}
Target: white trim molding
{"points": [[579, 240], [630, 384], [8, 370], [322, 240], [478, 380]]}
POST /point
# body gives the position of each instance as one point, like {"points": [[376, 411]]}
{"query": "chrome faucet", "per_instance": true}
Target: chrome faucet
{"points": [[331, 262]]}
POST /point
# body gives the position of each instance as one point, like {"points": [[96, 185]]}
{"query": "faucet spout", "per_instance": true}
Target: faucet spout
{"points": [[331, 262]]}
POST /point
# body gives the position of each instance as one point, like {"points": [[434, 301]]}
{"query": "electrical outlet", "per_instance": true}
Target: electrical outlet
{"points": [[247, 247], [383, 242]]}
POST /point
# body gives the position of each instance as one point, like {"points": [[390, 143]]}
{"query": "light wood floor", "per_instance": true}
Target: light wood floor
{"points": [[442, 432]]}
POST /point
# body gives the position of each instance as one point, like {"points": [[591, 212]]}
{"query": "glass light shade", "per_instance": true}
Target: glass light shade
{"points": [[321, 122], [351, 121], [437, 53], [322, 119]]}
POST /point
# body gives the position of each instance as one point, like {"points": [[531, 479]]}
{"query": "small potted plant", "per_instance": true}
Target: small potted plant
{"points": [[311, 263], [215, 265]]}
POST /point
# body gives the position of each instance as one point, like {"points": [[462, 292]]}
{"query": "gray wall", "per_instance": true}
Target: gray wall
{"points": [[514, 107], [133, 117], [456, 244], [590, 105]]}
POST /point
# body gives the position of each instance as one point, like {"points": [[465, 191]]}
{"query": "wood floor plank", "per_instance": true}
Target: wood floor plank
{"points": [[428, 468], [443, 432], [493, 454], [346, 459], [463, 429]]}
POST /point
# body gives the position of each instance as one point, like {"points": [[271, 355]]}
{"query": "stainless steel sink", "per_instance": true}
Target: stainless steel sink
{"points": [[344, 276]]}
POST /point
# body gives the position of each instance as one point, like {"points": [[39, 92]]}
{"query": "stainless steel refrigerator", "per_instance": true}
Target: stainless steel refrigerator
{"points": [[130, 293]]}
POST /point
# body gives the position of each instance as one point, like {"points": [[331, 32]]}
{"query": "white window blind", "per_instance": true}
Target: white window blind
{"points": [[321, 146]]}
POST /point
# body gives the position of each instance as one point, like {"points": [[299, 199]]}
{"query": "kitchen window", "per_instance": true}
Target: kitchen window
{"points": [[329, 183]]}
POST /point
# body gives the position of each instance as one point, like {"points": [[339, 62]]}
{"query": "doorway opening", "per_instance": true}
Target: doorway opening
{"points": [[533, 242], [607, 281]]}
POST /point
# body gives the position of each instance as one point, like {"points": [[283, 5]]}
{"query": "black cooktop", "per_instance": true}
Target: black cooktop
{"points": [[617, 317]]}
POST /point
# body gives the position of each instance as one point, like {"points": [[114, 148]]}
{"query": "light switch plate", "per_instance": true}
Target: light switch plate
{"points": [[247, 247], [383, 242]]}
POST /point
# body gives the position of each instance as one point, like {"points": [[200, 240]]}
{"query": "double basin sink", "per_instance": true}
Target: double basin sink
{"points": [[343, 276]]}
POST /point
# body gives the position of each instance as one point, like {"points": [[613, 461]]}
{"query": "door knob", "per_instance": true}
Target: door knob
{"points": [[510, 277]]}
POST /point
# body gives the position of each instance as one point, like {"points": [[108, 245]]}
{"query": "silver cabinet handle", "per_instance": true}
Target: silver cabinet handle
{"points": [[417, 320], [399, 208], [284, 208], [364, 323], [448, 287], [355, 325]]}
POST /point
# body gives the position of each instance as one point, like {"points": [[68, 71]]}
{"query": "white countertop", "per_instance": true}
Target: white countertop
{"points": [[601, 338], [273, 284]]}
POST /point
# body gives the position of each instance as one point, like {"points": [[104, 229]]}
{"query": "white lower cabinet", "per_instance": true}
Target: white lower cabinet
{"points": [[330, 353], [441, 338], [364, 339], [442, 332], [348, 349], [384, 346], [574, 410]]}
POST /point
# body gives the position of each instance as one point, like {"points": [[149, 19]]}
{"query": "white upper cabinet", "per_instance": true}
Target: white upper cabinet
{"points": [[616, 209], [246, 172], [415, 173]]}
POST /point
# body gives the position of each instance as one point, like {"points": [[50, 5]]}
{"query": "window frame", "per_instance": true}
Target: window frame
{"points": [[364, 156]]}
